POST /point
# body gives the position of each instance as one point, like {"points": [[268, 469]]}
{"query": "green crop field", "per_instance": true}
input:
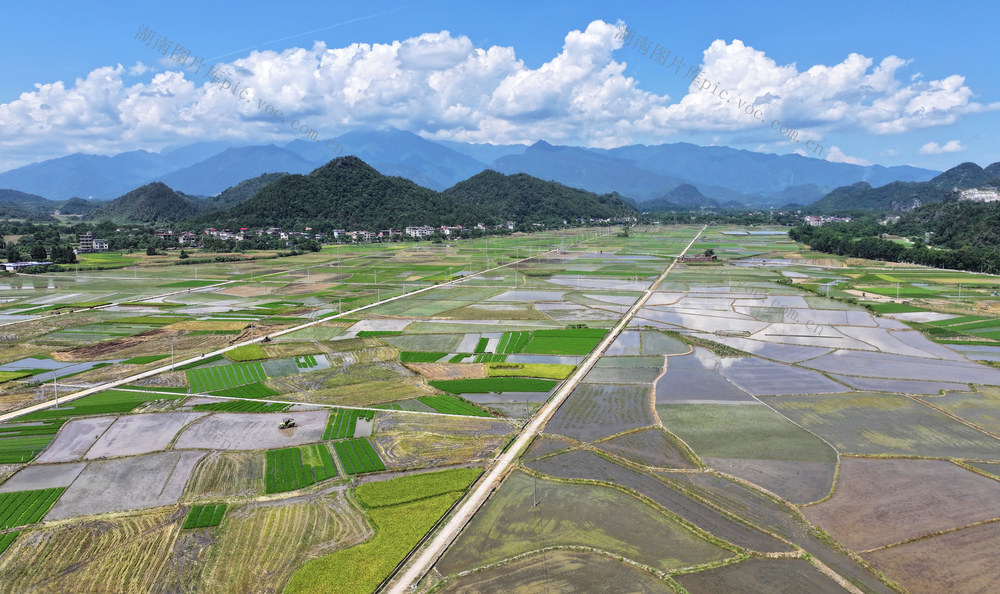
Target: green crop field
{"points": [[342, 422], [241, 406], [6, 376], [6, 540], [104, 403], [305, 361], [210, 379], [257, 390], [513, 342], [377, 333], [21, 443], [288, 469], [482, 344], [459, 358], [20, 508], [451, 405], [248, 352], [544, 370], [494, 384], [419, 357], [490, 358], [358, 456], [204, 516], [565, 341], [402, 510]]}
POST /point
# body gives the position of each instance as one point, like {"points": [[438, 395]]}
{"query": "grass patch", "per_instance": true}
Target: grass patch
{"points": [[493, 384], [6, 376], [545, 370], [399, 526], [248, 352]]}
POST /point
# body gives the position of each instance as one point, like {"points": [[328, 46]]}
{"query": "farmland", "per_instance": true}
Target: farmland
{"points": [[738, 413]]}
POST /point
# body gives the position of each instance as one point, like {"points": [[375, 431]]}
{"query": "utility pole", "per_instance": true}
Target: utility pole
{"points": [[172, 336]]}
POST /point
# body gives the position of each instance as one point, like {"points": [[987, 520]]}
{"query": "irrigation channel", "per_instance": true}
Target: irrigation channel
{"points": [[131, 379], [417, 566]]}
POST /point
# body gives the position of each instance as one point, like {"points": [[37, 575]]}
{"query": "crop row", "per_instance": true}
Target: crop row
{"points": [[20, 508], [513, 342], [6, 540], [419, 357], [204, 516], [342, 422], [358, 456], [208, 379], [288, 469], [482, 344], [490, 358], [305, 361], [242, 406], [451, 405], [257, 390]]}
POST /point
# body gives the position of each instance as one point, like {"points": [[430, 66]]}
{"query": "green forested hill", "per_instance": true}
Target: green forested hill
{"points": [[524, 198], [152, 203]]}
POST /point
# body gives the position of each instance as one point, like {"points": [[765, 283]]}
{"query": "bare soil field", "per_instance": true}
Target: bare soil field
{"points": [[125, 484], [130, 435], [247, 431], [42, 476], [559, 571], [74, 439], [880, 502], [103, 350], [970, 566]]}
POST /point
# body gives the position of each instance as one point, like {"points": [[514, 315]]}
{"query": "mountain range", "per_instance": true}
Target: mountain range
{"points": [[639, 173]]}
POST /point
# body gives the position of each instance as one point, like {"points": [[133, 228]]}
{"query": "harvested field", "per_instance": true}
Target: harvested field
{"points": [[970, 566], [762, 575], [449, 371], [125, 484], [594, 411], [262, 545], [598, 517], [74, 439], [250, 431], [871, 423], [104, 350], [226, 475], [42, 476], [130, 435], [559, 571], [880, 502], [651, 447], [125, 554], [417, 441], [582, 464]]}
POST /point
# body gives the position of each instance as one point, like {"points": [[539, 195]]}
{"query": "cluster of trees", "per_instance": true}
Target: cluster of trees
{"points": [[862, 240]]}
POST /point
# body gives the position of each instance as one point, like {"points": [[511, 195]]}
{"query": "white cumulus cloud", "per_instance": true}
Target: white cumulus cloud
{"points": [[933, 148]]}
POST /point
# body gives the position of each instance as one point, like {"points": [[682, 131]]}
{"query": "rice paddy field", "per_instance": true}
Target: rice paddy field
{"points": [[774, 420]]}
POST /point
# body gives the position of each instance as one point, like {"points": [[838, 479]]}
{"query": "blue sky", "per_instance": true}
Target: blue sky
{"points": [[869, 82]]}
